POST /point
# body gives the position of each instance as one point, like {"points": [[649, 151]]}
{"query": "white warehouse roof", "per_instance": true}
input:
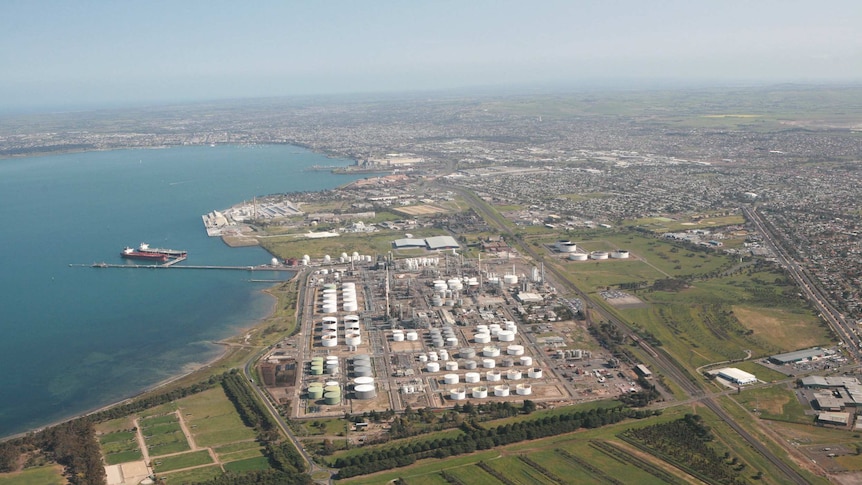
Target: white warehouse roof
{"points": [[737, 376]]}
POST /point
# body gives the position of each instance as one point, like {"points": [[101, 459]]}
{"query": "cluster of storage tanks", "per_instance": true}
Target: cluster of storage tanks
{"points": [[344, 258], [329, 298], [481, 392], [399, 335], [329, 331], [330, 392], [328, 365], [503, 333]]}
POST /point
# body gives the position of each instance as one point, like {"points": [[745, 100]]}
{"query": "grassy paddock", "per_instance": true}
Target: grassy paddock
{"points": [[195, 475], [776, 403], [185, 460], [43, 475], [255, 463], [212, 419]]}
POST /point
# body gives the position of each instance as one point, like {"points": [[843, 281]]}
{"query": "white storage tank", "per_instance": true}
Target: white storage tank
{"points": [[480, 392], [353, 339], [493, 376], [515, 350], [398, 336], [350, 306], [444, 354], [329, 340], [471, 377], [469, 364], [482, 338], [423, 358], [524, 389], [412, 336], [620, 254], [488, 363], [450, 378], [491, 351], [578, 257], [451, 365], [432, 356], [432, 367], [526, 361], [535, 373], [501, 391], [513, 375], [599, 255], [451, 342], [365, 391], [363, 380], [458, 394], [467, 353], [510, 279], [506, 336]]}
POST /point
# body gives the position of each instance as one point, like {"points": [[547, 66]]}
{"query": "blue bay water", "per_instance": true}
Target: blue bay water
{"points": [[74, 339]]}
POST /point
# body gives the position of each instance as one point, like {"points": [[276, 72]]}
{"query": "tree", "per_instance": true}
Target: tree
{"points": [[528, 407]]}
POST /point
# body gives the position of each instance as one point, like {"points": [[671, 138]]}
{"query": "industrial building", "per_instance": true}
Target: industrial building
{"points": [[737, 376], [433, 243], [837, 419], [798, 356]]}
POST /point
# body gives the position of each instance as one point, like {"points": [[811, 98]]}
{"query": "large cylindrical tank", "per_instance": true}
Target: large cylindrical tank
{"points": [[470, 364], [433, 357], [480, 392], [513, 375], [315, 393], [332, 398], [515, 350], [524, 389], [353, 339], [506, 336], [493, 376], [451, 342], [467, 353], [578, 256], [482, 338], [471, 377], [599, 255], [329, 340], [329, 308], [350, 306], [458, 394], [363, 380], [365, 391], [501, 391], [620, 254], [398, 336], [488, 363], [411, 336], [510, 279], [491, 351], [432, 367], [526, 361], [535, 373], [450, 378], [451, 365], [362, 371]]}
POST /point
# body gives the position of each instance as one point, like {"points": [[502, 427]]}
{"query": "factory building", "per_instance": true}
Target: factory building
{"points": [[798, 356], [737, 376]]}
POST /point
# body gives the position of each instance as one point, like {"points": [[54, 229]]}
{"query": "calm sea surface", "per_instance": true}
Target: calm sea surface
{"points": [[74, 339]]}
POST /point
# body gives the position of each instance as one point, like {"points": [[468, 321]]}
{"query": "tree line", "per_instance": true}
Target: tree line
{"points": [[474, 437]]}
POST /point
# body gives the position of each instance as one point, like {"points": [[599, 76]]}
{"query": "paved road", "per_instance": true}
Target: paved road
{"points": [[667, 365]]}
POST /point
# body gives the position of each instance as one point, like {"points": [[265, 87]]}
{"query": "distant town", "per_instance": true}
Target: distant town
{"points": [[674, 282]]}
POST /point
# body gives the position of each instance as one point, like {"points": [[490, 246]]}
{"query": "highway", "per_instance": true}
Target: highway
{"points": [[668, 366]]}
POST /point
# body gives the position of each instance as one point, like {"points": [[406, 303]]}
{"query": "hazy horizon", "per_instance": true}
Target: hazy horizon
{"points": [[78, 55]]}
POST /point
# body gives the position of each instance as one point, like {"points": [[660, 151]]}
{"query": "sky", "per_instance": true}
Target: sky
{"points": [[80, 53]]}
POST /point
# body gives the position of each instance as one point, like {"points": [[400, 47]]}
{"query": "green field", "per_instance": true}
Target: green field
{"points": [[248, 464], [43, 475], [185, 460], [194, 475], [163, 435], [775, 402], [212, 419]]}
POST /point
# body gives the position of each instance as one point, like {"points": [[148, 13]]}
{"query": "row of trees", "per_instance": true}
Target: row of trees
{"points": [[684, 443], [249, 407], [475, 438]]}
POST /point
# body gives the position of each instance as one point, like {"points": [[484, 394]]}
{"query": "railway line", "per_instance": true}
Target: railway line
{"points": [[663, 362]]}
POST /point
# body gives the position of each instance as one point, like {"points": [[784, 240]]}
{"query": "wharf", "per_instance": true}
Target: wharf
{"points": [[170, 265]]}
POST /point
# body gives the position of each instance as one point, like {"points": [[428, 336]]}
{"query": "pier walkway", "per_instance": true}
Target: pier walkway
{"points": [[170, 265]]}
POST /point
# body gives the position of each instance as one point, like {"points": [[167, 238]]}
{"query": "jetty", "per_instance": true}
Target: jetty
{"points": [[171, 265]]}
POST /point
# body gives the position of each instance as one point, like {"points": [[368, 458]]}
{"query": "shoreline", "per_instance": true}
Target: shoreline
{"points": [[227, 348]]}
